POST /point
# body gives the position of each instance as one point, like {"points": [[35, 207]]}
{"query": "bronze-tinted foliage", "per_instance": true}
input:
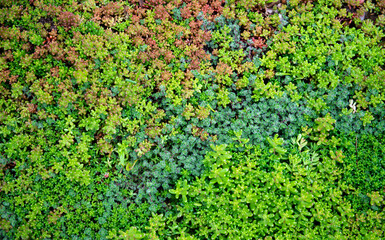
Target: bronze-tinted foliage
{"points": [[193, 41], [381, 4], [105, 15], [68, 20]]}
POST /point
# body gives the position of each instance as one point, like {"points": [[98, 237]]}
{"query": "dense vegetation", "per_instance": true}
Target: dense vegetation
{"points": [[209, 119]]}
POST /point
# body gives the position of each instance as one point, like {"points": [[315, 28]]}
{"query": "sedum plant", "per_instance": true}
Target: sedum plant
{"points": [[243, 195]]}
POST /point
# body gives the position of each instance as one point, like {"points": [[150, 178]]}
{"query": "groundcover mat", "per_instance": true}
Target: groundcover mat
{"points": [[171, 119]]}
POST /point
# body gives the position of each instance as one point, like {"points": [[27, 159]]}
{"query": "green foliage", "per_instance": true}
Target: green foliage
{"points": [[132, 233], [326, 53], [298, 198], [108, 111], [367, 118], [323, 126], [363, 168], [275, 145]]}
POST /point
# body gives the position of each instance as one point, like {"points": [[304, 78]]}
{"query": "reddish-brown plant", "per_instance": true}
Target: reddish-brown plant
{"points": [[68, 20]]}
